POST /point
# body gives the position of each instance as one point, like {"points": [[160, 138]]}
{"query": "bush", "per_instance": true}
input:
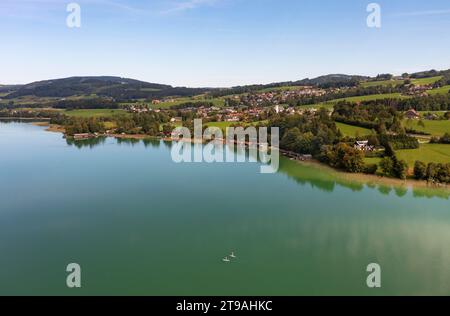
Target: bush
{"points": [[370, 169], [420, 170], [438, 172], [400, 169], [442, 140], [343, 156], [393, 167], [387, 165], [399, 141]]}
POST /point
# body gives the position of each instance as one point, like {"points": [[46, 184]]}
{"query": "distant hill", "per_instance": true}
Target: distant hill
{"points": [[8, 88], [113, 87], [332, 80], [328, 81], [124, 89]]}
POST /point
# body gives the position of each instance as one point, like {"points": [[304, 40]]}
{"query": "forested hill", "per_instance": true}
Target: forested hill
{"points": [[8, 88], [130, 89], [327, 81], [124, 89], [114, 87]]}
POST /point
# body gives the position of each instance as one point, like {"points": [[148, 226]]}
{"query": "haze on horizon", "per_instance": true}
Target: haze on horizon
{"points": [[220, 43]]}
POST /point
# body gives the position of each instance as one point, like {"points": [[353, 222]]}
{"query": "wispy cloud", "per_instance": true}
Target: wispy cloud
{"points": [[424, 13], [121, 6], [180, 6]]}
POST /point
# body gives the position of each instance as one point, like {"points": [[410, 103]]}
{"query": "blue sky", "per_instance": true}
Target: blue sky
{"points": [[220, 42]]}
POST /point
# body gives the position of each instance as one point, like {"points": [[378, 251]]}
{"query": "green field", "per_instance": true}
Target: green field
{"points": [[426, 81], [223, 125], [439, 153], [330, 104], [94, 113], [442, 90], [421, 81], [45, 101], [435, 128], [371, 97], [218, 102], [370, 161], [353, 131], [381, 83], [220, 124]]}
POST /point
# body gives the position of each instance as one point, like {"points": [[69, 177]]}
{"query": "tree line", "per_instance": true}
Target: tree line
{"points": [[142, 123]]}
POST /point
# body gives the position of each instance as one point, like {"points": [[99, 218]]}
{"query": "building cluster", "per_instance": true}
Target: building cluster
{"points": [[412, 114], [363, 145], [418, 90], [138, 108], [278, 97]]}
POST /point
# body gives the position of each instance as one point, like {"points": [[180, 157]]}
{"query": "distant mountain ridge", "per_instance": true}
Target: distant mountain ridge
{"points": [[80, 86], [102, 86], [123, 89]]}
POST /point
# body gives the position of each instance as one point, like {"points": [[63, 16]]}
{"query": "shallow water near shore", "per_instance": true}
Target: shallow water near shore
{"points": [[138, 223]]}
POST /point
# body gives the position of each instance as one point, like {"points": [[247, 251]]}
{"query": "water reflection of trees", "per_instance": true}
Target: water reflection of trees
{"points": [[304, 175], [301, 174], [97, 141], [86, 143], [151, 142]]}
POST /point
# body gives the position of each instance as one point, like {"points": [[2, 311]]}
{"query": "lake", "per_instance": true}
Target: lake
{"points": [[140, 224]]}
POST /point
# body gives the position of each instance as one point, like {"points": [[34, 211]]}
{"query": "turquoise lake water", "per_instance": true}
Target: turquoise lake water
{"points": [[138, 223]]}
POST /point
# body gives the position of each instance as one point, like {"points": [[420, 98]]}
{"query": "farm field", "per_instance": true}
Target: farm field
{"points": [[421, 81], [439, 153], [370, 160], [330, 104], [94, 112], [371, 97], [438, 113], [441, 90], [218, 102], [221, 125], [426, 81], [381, 83], [353, 131], [435, 128]]}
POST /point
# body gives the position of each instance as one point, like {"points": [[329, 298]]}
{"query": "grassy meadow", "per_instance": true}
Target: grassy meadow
{"points": [[218, 102], [441, 90], [421, 81], [353, 131], [94, 112], [433, 127], [439, 153]]}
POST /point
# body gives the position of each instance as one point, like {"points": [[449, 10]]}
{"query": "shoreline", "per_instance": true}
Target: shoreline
{"points": [[346, 176], [371, 179]]}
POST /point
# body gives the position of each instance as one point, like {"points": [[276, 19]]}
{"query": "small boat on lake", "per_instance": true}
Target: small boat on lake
{"points": [[226, 259]]}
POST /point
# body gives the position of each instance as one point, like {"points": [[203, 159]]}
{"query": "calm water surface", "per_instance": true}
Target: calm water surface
{"points": [[138, 223]]}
